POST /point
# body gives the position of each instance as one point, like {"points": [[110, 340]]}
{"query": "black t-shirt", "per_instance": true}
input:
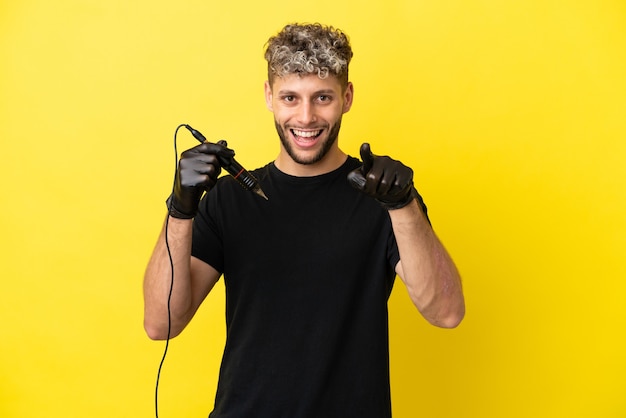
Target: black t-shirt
{"points": [[308, 274]]}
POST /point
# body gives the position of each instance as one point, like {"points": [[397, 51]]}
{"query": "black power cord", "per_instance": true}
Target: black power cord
{"points": [[169, 296]]}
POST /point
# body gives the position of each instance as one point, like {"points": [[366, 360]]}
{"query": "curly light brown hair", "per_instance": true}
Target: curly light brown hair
{"points": [[309, 49]]}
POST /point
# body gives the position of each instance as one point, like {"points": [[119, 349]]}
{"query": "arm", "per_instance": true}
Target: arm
{"points": [[425, 266], [193, 280]]}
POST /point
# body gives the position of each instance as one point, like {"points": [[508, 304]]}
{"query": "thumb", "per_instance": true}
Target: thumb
{"points": [[225, 154], [367, 157], [357, 177]]}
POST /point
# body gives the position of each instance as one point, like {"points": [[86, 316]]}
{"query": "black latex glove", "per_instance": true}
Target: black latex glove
{"points": [[198, 170], [388, 181]]}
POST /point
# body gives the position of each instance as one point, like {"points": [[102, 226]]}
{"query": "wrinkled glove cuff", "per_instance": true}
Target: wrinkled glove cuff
{"points": [[175, 213], [413, 195], [402, 203]]}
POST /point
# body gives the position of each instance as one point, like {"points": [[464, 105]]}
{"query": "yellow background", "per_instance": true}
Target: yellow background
{"points": [[512, 114]]}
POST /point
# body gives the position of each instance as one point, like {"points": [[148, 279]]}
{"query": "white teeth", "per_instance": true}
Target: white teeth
{"points": [[305, 134]]}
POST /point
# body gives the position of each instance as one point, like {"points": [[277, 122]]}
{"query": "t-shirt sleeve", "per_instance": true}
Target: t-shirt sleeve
{"points": [[206, 243], [393, 255]]}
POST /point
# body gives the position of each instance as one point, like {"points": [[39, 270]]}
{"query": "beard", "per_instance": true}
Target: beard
{"points": [[333, 134]]}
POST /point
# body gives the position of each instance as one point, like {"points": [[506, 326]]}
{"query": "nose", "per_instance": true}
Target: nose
{"points": [[306, 113]]}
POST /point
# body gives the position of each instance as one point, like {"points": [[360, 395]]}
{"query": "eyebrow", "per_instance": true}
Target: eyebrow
{"points": [[316, 93]]}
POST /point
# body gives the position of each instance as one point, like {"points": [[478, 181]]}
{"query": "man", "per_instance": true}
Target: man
{"points": [[309, 271]]}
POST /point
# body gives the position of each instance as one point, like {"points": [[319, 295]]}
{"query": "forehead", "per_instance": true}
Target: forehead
{"points": [[303, 84]]}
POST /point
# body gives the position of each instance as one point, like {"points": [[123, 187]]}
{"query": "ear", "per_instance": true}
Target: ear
{"points": [[268, 96], [348, 96]]}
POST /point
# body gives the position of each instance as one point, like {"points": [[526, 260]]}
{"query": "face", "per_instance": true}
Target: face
{"points": [[307, 114]]}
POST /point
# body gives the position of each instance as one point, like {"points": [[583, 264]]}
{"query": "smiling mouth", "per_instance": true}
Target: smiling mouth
{"points": [[306, 135]]}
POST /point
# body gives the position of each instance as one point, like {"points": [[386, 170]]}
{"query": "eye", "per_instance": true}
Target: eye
{"points": [[324, 98], [288, 98]]}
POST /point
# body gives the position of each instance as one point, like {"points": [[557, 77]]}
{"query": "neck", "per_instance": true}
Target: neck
{"points": [[331, 162]]}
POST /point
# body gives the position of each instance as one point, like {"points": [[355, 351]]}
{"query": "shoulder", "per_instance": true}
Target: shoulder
{"points": [[352, 163]]}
